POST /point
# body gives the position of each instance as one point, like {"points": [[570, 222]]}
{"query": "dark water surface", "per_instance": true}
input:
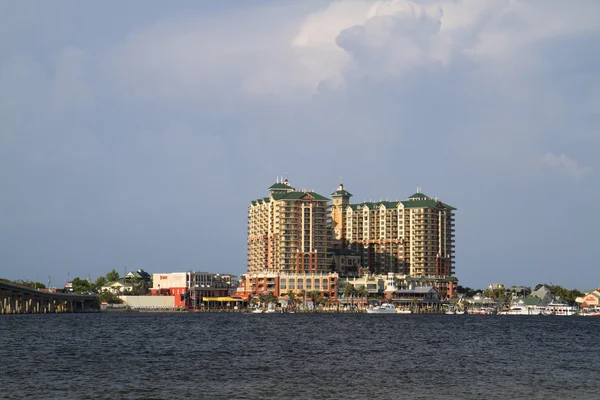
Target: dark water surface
{"points": [[293, 356]]}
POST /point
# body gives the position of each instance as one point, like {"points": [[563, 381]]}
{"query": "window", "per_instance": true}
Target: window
{"points": [[300, 283], [282, 283], [308, 284], [292, 284]]}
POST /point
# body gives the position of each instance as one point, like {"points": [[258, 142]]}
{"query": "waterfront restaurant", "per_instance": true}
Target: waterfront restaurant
{"points": [[190, 288], [279, 283]]}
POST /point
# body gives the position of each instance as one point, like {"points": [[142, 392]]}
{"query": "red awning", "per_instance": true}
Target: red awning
{"points": [[241, 295]]}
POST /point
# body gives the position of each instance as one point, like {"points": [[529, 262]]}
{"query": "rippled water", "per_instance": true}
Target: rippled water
{"points": [[290, 356]]}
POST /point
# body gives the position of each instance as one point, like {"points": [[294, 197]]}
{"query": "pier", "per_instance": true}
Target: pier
{"points": [[15, 299]]}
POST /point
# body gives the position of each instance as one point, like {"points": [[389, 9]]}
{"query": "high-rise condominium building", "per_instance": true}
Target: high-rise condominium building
{"points": [[413, 237], [287, 231]]}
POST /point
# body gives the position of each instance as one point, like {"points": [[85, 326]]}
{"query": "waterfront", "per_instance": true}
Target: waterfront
{"points": [[245, 356]]}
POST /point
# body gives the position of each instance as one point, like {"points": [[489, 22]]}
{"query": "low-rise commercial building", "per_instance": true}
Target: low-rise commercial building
{"points": [[189, 288], [279, 283]]}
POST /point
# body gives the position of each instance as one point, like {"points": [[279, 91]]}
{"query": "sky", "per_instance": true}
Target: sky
{"points": [[135, 134]]}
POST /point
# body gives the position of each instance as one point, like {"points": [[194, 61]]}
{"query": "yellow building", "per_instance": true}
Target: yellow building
{"points": [[287, 231], [413, 237]]}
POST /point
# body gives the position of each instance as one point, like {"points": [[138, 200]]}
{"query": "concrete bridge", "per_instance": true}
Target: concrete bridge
{"points": [[15, 299]]}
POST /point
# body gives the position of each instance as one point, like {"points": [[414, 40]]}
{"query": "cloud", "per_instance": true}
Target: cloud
{"points": [[173, 112], [565, 165]]}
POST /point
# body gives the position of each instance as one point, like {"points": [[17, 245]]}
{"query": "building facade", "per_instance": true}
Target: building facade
{"points": [[189, 288], [280, 283], [413, 237], [288, 232]]}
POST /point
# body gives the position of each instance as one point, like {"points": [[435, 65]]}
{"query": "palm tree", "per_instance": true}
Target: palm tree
{"points": [[363, 292], [316, 298], [415, 303], [302, 295], [291, 297], [112, 276], [350, 291]]}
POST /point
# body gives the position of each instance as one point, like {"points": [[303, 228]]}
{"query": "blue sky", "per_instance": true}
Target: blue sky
{"points": [[134, 135]]}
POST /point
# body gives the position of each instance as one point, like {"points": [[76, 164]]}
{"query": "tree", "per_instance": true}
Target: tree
{"points": [[81, 285], [466, 291], [316, 298], [363, 292], [415, 303], [101, 281], [291, 297], [302, 296], [110, 298], [268, 298], [349, 291], [113, 276]]}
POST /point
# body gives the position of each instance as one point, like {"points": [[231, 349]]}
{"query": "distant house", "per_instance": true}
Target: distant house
{"points": [[139, 274], [417, 292], [544, 294], [117, 287], [520, 291]]}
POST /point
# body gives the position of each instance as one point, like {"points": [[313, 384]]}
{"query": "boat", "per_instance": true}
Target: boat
{"points": [[481, 311], [382, 309], [270, 311], [454, 311], [559, 308], [520, 308], [257, 311], [403, 311], [590, 313]]}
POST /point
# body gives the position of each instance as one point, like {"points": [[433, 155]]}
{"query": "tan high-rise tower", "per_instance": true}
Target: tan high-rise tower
{"points": [[341, 199], [413, 237], [287, 231]]}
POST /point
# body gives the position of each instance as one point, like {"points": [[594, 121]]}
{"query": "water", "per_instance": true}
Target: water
{"points": [[293, 356]]}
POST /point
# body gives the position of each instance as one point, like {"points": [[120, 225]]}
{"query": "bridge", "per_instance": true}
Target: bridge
{"points": [[15, 299]]}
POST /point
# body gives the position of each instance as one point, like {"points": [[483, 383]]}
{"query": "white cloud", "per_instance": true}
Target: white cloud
{"points": [[565, 165]]}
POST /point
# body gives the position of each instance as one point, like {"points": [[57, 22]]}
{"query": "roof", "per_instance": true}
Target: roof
{"points": [[281, 186], [341, 193], [419, 289], [542, 292], [120, 283], [532, 301], [428, 203], [298, 195], [419, 196], [224, 298], [405, 204]]}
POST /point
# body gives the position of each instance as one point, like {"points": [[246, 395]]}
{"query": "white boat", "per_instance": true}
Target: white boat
{"points": [[270, 311], [454, 311], [559, 308], [481, 311], [257, 311], [403, 311], [590, 313], [521, 309], [382, 309]]}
